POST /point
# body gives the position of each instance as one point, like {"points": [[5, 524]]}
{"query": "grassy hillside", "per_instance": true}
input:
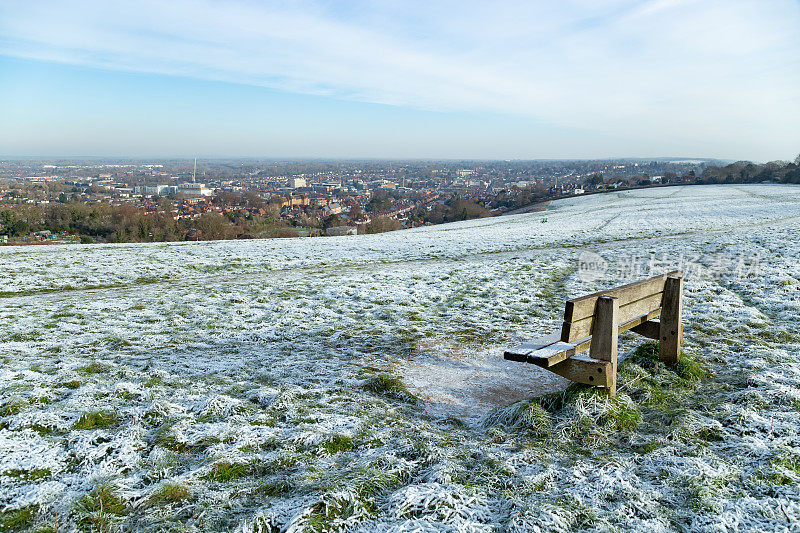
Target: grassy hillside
{"points": [[357, 383]]}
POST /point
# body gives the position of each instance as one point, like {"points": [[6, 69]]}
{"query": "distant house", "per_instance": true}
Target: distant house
{"points": [[46, 235], [293, 201], [338, 231]]}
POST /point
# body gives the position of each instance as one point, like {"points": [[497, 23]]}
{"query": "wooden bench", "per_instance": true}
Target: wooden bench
{"points": [[595, 321]]}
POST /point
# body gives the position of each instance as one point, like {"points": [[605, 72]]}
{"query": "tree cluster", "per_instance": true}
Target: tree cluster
{"points": [[381, 225], [453, 210], [747, 172], [518, 197], [107, 223]]}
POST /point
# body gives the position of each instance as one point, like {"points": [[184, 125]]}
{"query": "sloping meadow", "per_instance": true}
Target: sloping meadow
{"points": [[317, 384]]}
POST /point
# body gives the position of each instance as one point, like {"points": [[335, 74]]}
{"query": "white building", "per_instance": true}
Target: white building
{"points": [[195, 189], [155, 189], [297, 183]]}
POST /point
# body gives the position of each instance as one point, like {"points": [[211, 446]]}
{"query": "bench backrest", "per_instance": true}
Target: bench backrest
{"points": [[635, 301]]}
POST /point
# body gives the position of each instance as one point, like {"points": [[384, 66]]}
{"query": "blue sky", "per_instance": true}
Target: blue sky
{"points": [[401, 79]]}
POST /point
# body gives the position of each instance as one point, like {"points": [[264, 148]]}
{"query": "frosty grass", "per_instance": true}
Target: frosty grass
{"points": [[275, 385]]}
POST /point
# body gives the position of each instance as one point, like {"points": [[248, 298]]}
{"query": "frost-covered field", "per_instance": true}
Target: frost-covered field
{"points": [[259, 385]]}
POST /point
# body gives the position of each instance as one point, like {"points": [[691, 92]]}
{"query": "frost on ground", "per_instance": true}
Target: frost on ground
{"points": [[357, 383]]}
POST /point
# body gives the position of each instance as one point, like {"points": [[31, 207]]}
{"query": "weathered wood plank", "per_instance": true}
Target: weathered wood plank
{"points": [[520, 352], [630, 324], [584, 327], [551, 355], [584, 306], [671, 327], [518, 357], [543, 355], [639, 307], [541, 342], [605, 336], [650, 329], [584, 342], [580, 345], [582, 369]]}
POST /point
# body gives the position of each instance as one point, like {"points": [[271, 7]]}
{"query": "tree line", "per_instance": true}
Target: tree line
{"points": [[747, 172], [107, 223]]}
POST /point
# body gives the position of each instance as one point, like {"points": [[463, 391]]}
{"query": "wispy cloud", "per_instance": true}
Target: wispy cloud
{"points": [[721, 70]]}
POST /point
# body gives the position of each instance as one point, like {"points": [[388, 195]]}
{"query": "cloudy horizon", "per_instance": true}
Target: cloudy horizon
{"points": [[401, 79]]}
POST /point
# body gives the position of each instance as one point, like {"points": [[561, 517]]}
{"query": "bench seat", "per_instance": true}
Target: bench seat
{"points": [[563, 359], [594, 322], [550, 350], [544, 352]]}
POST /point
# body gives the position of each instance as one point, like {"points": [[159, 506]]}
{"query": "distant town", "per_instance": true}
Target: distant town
{"points": [[84, 201]]}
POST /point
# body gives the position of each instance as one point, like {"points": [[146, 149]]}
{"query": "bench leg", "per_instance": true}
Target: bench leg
{"points": [[605, 334], [671, 328]]}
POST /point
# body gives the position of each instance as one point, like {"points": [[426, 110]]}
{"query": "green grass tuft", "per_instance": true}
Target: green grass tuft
{"points": [[651, 383], [12, 406], [556, 401], [227, 471], [97, 510], [623, 414], [28, 475], [21, 337], [692, 368], [786, 468], [647, 448], [581, 515], [93, 368], [389, 386], [331, 512], [645, 355], [153, 381], [170, 493], [117, 342], [588, 415], [337, 443], [527, 415], [273, 488], [165, 438], [18, 519], [95, 419]]}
